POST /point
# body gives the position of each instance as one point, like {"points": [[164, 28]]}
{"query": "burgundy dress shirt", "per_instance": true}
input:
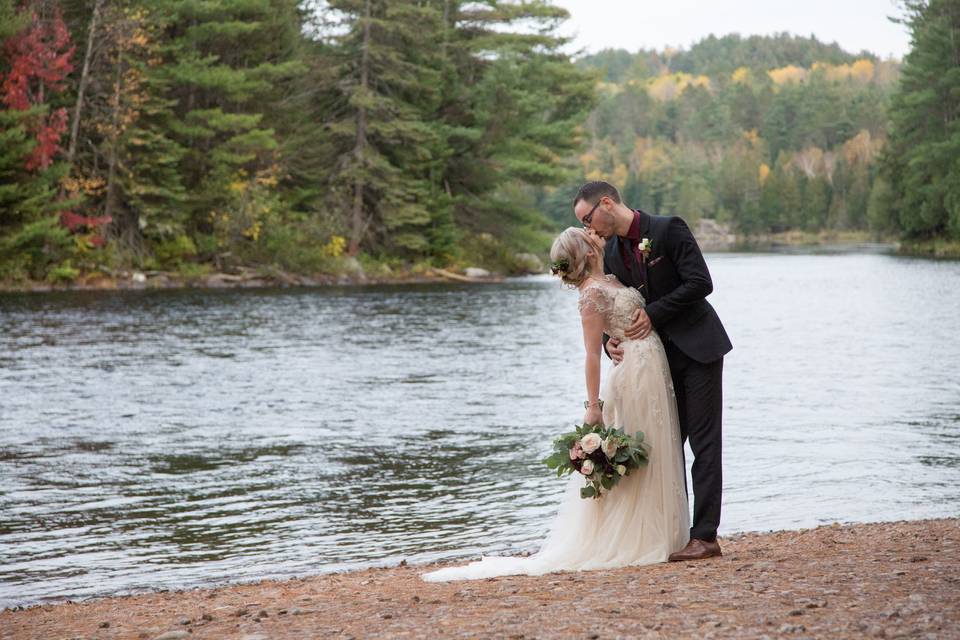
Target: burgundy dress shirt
{"points": [[630, 245]]}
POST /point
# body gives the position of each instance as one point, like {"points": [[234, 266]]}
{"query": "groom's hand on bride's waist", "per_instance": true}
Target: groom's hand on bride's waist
{"points": [[614, 350], [641, 326]]}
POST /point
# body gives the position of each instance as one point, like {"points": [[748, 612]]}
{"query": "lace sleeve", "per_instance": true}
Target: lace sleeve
{"points": [[595, 300]]}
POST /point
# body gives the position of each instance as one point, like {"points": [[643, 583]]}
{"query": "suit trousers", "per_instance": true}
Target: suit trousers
{"points": [[699, 390]]}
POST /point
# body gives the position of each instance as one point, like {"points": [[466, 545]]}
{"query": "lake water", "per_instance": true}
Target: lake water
{"points": [[168, 439]]}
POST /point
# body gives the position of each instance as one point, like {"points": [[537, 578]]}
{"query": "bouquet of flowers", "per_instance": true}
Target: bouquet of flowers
{"points": [[602, 454]]}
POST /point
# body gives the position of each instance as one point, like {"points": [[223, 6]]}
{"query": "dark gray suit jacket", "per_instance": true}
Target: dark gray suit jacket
{"points": [[676, 287]]}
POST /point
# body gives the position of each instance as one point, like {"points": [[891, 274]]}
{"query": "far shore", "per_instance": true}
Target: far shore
{"points": [[241, 278], [269, 277], [881, 580]]}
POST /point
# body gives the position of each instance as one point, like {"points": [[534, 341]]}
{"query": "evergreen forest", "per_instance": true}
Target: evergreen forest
{"points": [[327, 137]]}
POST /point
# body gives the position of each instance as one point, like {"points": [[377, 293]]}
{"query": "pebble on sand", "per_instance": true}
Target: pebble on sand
{"points": [[835, 581]]}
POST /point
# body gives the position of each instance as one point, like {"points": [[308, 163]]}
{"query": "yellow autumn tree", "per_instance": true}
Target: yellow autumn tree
{"points": [[252, 206], [599, 162], [741, 76], [862, 71], [668, 87], [650, 157], [763, 172], [588, 161], [618, 175], [861, 149], [790, 73]]}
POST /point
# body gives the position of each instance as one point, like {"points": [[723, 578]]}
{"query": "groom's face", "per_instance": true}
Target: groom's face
{"points": [[595, 241], [596, 217]]}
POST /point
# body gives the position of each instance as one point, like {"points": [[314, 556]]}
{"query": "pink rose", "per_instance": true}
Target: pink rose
{"points": [[590, 442], [576, 452], [609, 447], [587, 467]]}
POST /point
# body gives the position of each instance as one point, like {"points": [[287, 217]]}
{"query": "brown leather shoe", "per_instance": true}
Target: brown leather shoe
{"points": [[697, 550]]}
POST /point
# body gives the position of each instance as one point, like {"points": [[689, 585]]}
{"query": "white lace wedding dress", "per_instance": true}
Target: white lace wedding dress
{"points": [[645, 517]]}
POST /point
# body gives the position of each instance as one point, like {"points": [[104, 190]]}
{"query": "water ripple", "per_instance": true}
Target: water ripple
{"points": [[177, 438]]}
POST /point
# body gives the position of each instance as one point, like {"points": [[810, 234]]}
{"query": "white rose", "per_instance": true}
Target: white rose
{"points": [[590, 442], [622, 470], [609, 447], [587, 467]]}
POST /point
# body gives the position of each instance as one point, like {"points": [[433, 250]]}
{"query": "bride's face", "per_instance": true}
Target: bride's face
{"points": [[596, 244], [595, 240]]}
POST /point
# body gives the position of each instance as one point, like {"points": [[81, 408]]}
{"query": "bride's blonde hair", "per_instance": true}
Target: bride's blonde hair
{"points": [[569, 256]]}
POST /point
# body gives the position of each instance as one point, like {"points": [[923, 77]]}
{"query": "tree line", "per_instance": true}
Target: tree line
{"points": [[920, 194], [193, 135], [765, 148], [781, 133], [198, 134]]}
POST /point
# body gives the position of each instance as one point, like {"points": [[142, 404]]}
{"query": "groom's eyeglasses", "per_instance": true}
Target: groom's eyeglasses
{"points": [[587, 219]]}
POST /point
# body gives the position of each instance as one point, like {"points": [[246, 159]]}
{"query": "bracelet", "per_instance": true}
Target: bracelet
{"points": [[587, 404]]}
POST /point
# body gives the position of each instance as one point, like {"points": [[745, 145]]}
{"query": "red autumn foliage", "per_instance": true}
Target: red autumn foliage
{"points": [[39, 58], [48, 140], [37, 62], [76, 222]]}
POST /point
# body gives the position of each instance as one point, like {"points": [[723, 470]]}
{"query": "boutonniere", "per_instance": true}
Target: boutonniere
{"points": [[645, 246]]}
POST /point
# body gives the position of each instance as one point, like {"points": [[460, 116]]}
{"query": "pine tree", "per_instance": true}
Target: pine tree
{"points": [[222, 63], [384, 78], [922, 160], [113, 149], [816, 202], [513, 108]]}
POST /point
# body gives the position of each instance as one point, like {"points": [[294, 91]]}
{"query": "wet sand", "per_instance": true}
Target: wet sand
{"points": [[886, 580]]}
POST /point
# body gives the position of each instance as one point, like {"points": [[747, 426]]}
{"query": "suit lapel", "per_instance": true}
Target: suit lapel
{"points": [[644, 224], [616, 262], [641, 267]]}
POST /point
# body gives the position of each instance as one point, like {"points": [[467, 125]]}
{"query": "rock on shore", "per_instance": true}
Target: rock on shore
{"points": [[887, 580], [714, 236]]}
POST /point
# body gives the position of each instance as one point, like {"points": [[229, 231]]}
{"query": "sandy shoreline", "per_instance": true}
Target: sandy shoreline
{"points": [[885, 580]]}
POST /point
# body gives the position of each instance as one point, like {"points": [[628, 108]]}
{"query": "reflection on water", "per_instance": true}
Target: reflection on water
{"points": [[168, 439]]}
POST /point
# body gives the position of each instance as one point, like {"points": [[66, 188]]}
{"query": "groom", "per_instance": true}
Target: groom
{"points": [[659, 256]]}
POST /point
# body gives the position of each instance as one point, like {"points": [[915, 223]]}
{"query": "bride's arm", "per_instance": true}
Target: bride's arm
{"points": [[592, 321]]}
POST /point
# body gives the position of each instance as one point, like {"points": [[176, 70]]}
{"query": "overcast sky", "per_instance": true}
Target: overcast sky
{"points": [[638, 24]]}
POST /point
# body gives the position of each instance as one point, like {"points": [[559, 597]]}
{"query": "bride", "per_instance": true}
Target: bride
{"points": [[644, 518]]}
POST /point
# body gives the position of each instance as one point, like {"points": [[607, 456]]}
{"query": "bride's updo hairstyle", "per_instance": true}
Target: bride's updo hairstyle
{"points": [[569, 256]]}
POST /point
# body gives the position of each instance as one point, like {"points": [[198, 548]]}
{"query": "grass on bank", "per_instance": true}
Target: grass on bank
{"points": [[52, 258], [798, 238], [940, 248]]}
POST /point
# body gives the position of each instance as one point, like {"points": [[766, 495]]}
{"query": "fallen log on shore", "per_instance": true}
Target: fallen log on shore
{"points": [[450, 275]]}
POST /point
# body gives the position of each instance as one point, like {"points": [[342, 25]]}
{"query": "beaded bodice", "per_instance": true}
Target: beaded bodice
{"points": [[615, 302]]}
